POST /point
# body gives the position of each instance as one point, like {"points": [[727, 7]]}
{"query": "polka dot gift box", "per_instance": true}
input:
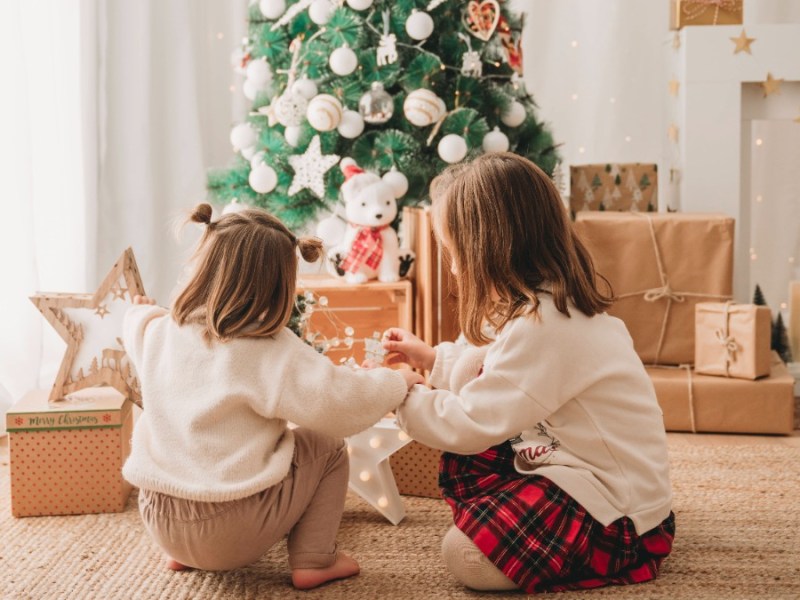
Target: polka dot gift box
{"points": [[66, 456]]}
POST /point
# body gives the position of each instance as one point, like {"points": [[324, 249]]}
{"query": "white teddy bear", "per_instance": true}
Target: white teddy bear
{"points": [[364, 245]]}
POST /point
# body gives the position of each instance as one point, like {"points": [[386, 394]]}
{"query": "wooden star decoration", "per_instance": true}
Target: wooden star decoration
{"points": [[370, 474], [91, 325], [771, 85], [310, 168], [742, 43], [674, 86]]}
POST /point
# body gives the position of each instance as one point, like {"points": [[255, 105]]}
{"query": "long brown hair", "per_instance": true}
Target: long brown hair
{"points": [[510, 238], [245, 273]]}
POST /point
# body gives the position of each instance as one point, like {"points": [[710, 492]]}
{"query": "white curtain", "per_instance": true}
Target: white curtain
{"points": [[111, 112]]}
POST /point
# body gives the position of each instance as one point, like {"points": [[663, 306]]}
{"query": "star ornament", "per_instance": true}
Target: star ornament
{"points": [[742, 43], [771, 85], [370, 474], [91, 325], [310, 168]]}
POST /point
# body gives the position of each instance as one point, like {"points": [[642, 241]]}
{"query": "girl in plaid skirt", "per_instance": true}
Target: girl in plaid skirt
{"points": [[555, 462]]}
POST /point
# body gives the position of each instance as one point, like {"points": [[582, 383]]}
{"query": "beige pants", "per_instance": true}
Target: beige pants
{"points": [[307, 505]]}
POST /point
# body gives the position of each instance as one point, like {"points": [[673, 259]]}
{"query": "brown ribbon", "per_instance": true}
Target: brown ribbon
{"points": [[727, 340]]}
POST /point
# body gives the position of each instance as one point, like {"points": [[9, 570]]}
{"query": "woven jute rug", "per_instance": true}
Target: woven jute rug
{"points": [[738, 536]]}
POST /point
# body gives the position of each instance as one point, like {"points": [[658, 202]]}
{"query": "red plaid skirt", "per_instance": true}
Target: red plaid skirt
{"points": [[537, 535]]}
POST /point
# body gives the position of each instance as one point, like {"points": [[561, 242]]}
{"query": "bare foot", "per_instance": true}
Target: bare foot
{"points": [[344, 566], [175, 565]]}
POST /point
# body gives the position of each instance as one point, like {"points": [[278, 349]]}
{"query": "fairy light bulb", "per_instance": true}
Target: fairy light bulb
{"points": [[365, 475], [383, 502], [375, 442], [402, 436]]}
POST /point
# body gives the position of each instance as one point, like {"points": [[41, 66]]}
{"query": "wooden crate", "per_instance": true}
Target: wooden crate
{"points": [[366, 307], [435, 302]]}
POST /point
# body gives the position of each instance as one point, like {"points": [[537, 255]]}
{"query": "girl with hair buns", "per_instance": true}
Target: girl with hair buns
{"points": [[555, 462], [221, 476]]}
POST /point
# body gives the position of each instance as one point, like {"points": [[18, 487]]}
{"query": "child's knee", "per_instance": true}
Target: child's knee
{"points": [[470, 566]]}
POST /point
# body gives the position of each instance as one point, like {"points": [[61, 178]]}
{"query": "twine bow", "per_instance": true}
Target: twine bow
{"points": [[664, 290], [727, 340], [694, 8]]}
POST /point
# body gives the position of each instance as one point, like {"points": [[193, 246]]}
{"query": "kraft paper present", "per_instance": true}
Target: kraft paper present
{"points": [[613, 187], [705, 12], [416, 470], [66, 456], [706, 403], [732, 340], [660, 265]]}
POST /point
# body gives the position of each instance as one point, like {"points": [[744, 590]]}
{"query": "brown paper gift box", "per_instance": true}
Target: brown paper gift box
{"points": [[732, 340], [613, 187], [416, 470], [660, 265], [723, 404], [435, 302], [705, 12], [67, 456]]}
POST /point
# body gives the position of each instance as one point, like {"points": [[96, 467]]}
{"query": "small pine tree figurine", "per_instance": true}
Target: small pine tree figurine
{"points": [[780, 340], [758, 297]]}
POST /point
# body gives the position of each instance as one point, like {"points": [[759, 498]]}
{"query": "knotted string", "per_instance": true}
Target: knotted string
{"points": [[664, 290], [727, 340], [690, 388]]}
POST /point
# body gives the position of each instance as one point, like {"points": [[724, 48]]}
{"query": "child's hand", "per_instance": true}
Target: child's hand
{"points": [[137, 299], [408, 349], [412, 377]]}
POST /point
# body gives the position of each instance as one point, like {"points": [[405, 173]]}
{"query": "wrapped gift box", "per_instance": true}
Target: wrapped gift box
{"points": [[435, 301], [706, 12], [366, 307], [416, 470], [613, 187], [732, 340], [706, 403], [67, 456], [656, 281]]}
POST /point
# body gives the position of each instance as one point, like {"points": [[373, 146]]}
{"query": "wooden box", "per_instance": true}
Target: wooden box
{"points": [[67, 456], [366, 308], [435, 302], [705, 12]]}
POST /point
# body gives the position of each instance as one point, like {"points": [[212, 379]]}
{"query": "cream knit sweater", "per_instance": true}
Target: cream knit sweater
{"points": [[214, 426], [573, 397]]}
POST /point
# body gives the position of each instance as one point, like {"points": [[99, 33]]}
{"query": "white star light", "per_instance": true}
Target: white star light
{"points": [[370, 474], [310, 168]]}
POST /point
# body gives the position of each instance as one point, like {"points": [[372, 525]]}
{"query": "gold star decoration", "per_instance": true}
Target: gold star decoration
{"points": [[674, 85], [94, 354], [742, 43], [672, 133], [771, 85]]}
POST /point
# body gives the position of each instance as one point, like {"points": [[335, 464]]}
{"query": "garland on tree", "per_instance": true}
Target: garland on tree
{"points": [[410, 85]]}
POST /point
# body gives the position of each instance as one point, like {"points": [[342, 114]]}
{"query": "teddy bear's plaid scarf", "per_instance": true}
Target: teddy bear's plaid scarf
{"points": [[366, 249]]}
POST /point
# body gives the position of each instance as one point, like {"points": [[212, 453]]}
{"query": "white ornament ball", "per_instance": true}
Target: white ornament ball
{"points": [[290, 109], [452, 148], [495, 141], [320, 11], [258, 72], [250, 90], [305, 87], [243, 136], [292, 135], [272, 9], [324, 112], [359, 4], [352, 124], [257, 159], [397, 181], [343, 61], [248, 153], [263, 179], [422, 107], [514, 115], [419, 25]]}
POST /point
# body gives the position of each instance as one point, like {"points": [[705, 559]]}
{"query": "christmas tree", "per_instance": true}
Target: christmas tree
{"points": [[780, 340], [758, 297], [406, 86]]}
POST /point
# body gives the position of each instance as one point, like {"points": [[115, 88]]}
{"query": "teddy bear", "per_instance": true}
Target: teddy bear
{"points": [[362, 244]]}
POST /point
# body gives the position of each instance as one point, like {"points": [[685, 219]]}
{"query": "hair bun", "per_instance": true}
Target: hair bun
{"points": [[202, 213], [310, 248]]}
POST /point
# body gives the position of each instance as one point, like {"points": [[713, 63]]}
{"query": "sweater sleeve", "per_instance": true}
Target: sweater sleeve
{"points": [[134, 324], [529, 373], [447, 354], [335, 400]]}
